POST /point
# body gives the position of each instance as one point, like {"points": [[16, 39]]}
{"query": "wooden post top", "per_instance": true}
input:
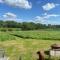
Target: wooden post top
{"points": [[55, 46]]}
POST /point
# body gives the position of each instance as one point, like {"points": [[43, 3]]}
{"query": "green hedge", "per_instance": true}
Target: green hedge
{"points": [[10, 29]]}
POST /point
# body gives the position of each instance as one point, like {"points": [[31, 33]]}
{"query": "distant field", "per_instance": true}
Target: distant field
{"points": [[44, 35], [25, 44]]}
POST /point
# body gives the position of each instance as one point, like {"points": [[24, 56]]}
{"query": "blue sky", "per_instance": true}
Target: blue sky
{"points": [[40, 11]]}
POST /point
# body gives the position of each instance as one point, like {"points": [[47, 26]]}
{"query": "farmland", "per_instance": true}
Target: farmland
{"points": [[25, 44], [44, 35]]}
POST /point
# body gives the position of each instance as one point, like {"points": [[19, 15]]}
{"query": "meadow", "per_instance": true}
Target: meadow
{"points": [[44, 35], [25, 44]]}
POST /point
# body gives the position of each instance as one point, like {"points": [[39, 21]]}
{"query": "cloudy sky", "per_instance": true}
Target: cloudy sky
{"points": [[40, 11]]}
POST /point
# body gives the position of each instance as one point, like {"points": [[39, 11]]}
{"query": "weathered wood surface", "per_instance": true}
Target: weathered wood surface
{"points": [[41, 55]]}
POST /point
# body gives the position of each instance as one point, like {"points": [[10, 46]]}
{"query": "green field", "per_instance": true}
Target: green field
{"points": [[44, 35], [25, 44]]}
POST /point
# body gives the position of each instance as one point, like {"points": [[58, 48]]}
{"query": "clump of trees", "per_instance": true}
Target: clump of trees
{"points": [[26, 25]]}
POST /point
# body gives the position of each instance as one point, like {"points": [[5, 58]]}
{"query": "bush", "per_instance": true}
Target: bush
{"points": [[10, 29], [3, 29]]}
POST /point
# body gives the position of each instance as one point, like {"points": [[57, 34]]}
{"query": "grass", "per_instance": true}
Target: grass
{"points": [[26, 49], [5, 36], [44, 35]]}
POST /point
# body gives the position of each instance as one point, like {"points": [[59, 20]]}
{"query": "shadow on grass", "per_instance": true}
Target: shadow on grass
{"points": [[28, 37]]}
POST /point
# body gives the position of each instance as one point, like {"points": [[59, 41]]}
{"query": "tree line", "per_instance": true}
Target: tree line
{"points": [[27, 25]]}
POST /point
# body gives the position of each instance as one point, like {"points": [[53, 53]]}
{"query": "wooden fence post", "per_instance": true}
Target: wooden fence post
{"points": [[41, 55]]}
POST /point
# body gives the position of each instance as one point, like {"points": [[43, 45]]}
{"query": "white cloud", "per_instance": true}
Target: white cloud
{"points": [[9, 15], [50, 15], [46, 17], [1, 1], [19, 3], [49, 6], [39, 19]]}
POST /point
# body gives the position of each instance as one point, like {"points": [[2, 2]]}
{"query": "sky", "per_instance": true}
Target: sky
{"points": [[38, 11]]}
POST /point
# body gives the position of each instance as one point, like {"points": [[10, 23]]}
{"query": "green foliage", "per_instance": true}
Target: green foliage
{"points": [[5, 36], [10, 29], [16, 47], [44, 35], [27, 25], [3, 29]]}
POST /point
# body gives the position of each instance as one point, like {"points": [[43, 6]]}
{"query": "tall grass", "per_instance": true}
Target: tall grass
{"points": [[5, 36], [26, 47], [44, 35]]}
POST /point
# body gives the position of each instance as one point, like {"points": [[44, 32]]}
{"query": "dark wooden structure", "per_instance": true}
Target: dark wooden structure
{"points": [[55, 50], [41, 55], [55, 46]]}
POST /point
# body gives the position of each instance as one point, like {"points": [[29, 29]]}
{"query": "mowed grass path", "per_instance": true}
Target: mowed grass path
{"points": [[24, 48]]}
